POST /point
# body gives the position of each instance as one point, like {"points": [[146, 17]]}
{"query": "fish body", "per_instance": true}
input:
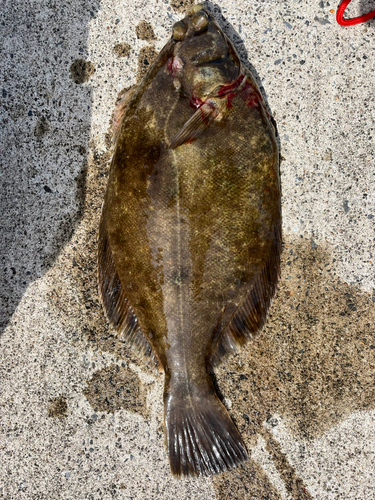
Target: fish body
{"points": [[190, 231]]}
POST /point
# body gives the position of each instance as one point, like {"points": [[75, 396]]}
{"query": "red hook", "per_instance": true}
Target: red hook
{"points": [[355, 20]]}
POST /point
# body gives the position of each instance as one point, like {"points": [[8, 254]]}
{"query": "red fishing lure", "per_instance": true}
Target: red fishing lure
{"points": [[355, 20]]}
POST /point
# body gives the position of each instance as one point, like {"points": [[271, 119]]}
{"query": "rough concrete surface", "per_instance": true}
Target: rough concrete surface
{"points": [[80, 416]]}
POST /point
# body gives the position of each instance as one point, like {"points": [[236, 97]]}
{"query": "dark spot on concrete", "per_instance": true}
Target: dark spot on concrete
{"points": [[346, 206], [293, 484], [42, 126], [58, 407], [122, 49], [145, 31], [321, 20], [81, 71], [145, 59], [181, 5], [47, 189], [116, 387], [248, 481]]}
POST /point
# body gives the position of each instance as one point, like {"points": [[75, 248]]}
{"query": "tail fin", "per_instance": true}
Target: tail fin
{"points": [[201, 437]]}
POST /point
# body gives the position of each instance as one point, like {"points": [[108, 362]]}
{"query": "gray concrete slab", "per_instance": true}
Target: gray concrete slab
{"points": [[303, 394]]}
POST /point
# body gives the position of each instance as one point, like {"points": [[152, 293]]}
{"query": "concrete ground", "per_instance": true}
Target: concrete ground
{"points": [[80, 416]]}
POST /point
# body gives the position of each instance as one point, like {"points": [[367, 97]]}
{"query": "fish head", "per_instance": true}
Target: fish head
{"points": [[203, 57]]}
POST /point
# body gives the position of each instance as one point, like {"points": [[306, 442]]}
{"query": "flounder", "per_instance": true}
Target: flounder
{"points": [[190, 231]]}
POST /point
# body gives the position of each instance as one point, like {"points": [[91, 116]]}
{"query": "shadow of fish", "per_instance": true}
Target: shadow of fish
{"points": [[190, 234]]}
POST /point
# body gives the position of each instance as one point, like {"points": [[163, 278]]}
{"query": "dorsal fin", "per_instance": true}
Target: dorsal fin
{"points": [[250, 316], [117, 307], [119, 112]]}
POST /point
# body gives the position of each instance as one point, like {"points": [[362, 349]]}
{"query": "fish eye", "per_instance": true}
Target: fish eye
{"points": [[195, 8], [200, 21], [179, 30]]}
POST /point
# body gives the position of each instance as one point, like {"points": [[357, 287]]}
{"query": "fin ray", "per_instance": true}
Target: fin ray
{"points": [[196, 124], [250, 316], [201, 437], [116, 305], [120, 110]]}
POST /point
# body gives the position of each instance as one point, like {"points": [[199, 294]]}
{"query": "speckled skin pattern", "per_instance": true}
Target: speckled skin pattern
{"points": [[190, 232]]}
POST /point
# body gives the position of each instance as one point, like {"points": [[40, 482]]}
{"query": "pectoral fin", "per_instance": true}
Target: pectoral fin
{"points": [[197, 124]]}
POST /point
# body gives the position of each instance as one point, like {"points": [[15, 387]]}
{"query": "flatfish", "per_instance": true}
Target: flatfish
{"points": [[190, 231]]}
